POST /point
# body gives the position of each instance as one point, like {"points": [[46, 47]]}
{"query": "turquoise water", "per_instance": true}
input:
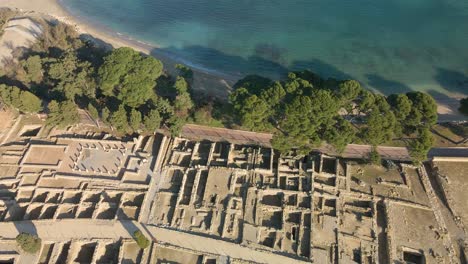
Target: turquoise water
{"points": [[389, 45]]}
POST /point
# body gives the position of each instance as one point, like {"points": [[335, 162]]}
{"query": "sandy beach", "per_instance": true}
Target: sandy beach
{"points": [[214, 84], [54, 9], [209, 82]]}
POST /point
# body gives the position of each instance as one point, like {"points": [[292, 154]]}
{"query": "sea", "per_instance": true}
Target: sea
{"points": [[390, 46]]}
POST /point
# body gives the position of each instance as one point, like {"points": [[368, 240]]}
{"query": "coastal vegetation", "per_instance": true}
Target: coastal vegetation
{"points": [[305, 111], [127, 90], [132, 92], [25, 101]]}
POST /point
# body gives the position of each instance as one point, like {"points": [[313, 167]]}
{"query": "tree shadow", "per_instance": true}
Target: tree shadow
{"points": [[97, 42], [129, 226], [266, 61], [26, 227], [452, 81], [386, 86], [16, 212], [448, 152], [321, 68], [216, 72], [215, 61]]}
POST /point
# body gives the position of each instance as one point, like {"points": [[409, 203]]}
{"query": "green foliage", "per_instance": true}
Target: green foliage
{"points": [[175, 125], [303, 114], [349, 90], [93, 111], [238, 97], [374, 157], [298, 124], [141, 240], [421, 145], [340, 134], [135, 119], [297, 85], [183, 102], [184, 71], [464, 106], [274, 94], [423, 112], [66, 71], [152, 121], [62, 114], [71, 77], [118, 119], [105, 114], [10, 95], [164, 107], [254, 114], [253, 84], [29, 102], [22, 100], [204, 116], [401, 105], [129, 76], [29, 243], [33, 71], [283, 143], [380, 123], [366, 101], [306, 110]]}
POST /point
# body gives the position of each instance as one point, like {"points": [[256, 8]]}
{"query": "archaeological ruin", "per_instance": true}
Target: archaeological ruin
{"points": [[204, 198]]}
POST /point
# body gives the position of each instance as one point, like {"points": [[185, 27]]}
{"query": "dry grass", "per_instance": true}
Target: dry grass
{"points": [[450, 135]]}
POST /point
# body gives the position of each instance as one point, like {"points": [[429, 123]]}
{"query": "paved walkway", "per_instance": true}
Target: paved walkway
{"points": [[217, 247], [197, 132], [353, 151], [448, 152], [86, 229]]}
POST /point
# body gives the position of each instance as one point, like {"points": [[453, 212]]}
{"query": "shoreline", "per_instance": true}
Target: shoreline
{"points": [[211, 82]]}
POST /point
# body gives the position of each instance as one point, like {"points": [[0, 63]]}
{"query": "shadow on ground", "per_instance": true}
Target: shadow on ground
{"points": [[386, 86], [452, 81]]}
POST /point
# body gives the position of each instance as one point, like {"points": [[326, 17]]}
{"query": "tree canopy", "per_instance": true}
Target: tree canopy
{"points": [[132, 93], [307, 110], [62, 114], [71, 77], [118, 119], [24, 101], [129, 76], [135, 119], [152, 121], [141, 240], [29, 243], [421, 145]]}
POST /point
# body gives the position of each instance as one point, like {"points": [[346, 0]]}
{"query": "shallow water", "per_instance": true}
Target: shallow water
{"points": [[389, 45]]}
